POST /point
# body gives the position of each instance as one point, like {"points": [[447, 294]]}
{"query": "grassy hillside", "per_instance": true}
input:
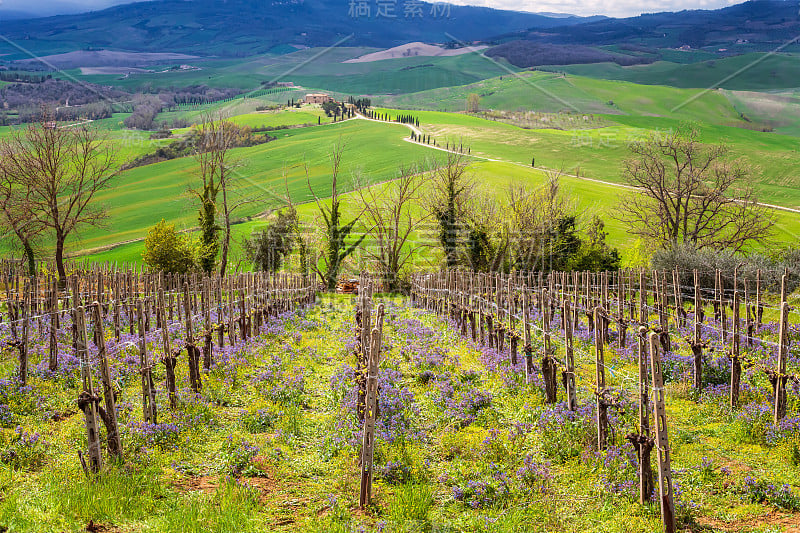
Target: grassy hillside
{"points": [[747, 72], [598, 153], [320, 67], [142, 196], [590, 198], [550, 92], [258, 119], [777, 111]]}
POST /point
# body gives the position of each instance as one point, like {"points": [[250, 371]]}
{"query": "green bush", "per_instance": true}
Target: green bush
{"points": [[167, 250]]}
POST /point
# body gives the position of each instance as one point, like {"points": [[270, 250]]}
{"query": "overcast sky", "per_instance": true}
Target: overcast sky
{"points": [[614, 8]]}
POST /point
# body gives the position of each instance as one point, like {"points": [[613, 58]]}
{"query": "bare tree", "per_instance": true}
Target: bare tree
{"points": [[16, 214], [536, 217], [217, 136], [451, 188], [473, 103], [691, 194], [389, 211], [62, 170], [337, 233]]}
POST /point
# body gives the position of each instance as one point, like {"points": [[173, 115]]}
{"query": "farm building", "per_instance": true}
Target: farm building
{"points": [[317, 98]]}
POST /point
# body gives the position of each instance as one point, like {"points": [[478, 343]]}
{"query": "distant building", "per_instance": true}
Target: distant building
{"points": [[317, 98]]}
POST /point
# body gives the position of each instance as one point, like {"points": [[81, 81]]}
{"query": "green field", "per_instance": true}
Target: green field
{"points": [[548, 92], [319, 67], [598, 153], [590, 198], [747, 72], [142, 196], [261, 119]]}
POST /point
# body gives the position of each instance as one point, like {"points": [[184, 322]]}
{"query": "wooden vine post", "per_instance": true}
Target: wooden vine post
{"points": [[759, 302], [53, 327], [87, 400], [526, 327], [510, 310], [736, 364], [783, 350], [363, 332], [622, 322], [643, 442], [192, 351], [23, 343], [109, 414], [168, 358], [208, 333], [371, 411], [569, 358], [145, 369], [696, 342], [749, 314], [549, 365], [600, 380], [662, 440], [722, 307]]}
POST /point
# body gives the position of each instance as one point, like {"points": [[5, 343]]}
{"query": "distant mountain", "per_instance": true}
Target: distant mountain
{"points": [[246, 27], [13, 14], [766, 22]]}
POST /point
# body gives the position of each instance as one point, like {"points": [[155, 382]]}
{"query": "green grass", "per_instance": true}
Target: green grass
{"points": [[547, 92], [277, 119], [779, 112], [145, 195], [599, 153], [319, 67], [140, 197], [494, 178], [747, 72]]}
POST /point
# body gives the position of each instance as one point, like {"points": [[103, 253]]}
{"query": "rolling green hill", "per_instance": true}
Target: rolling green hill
{"points": [[747, 72], [319, 68], [598, 153], [552, 92], [142, 196]]}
